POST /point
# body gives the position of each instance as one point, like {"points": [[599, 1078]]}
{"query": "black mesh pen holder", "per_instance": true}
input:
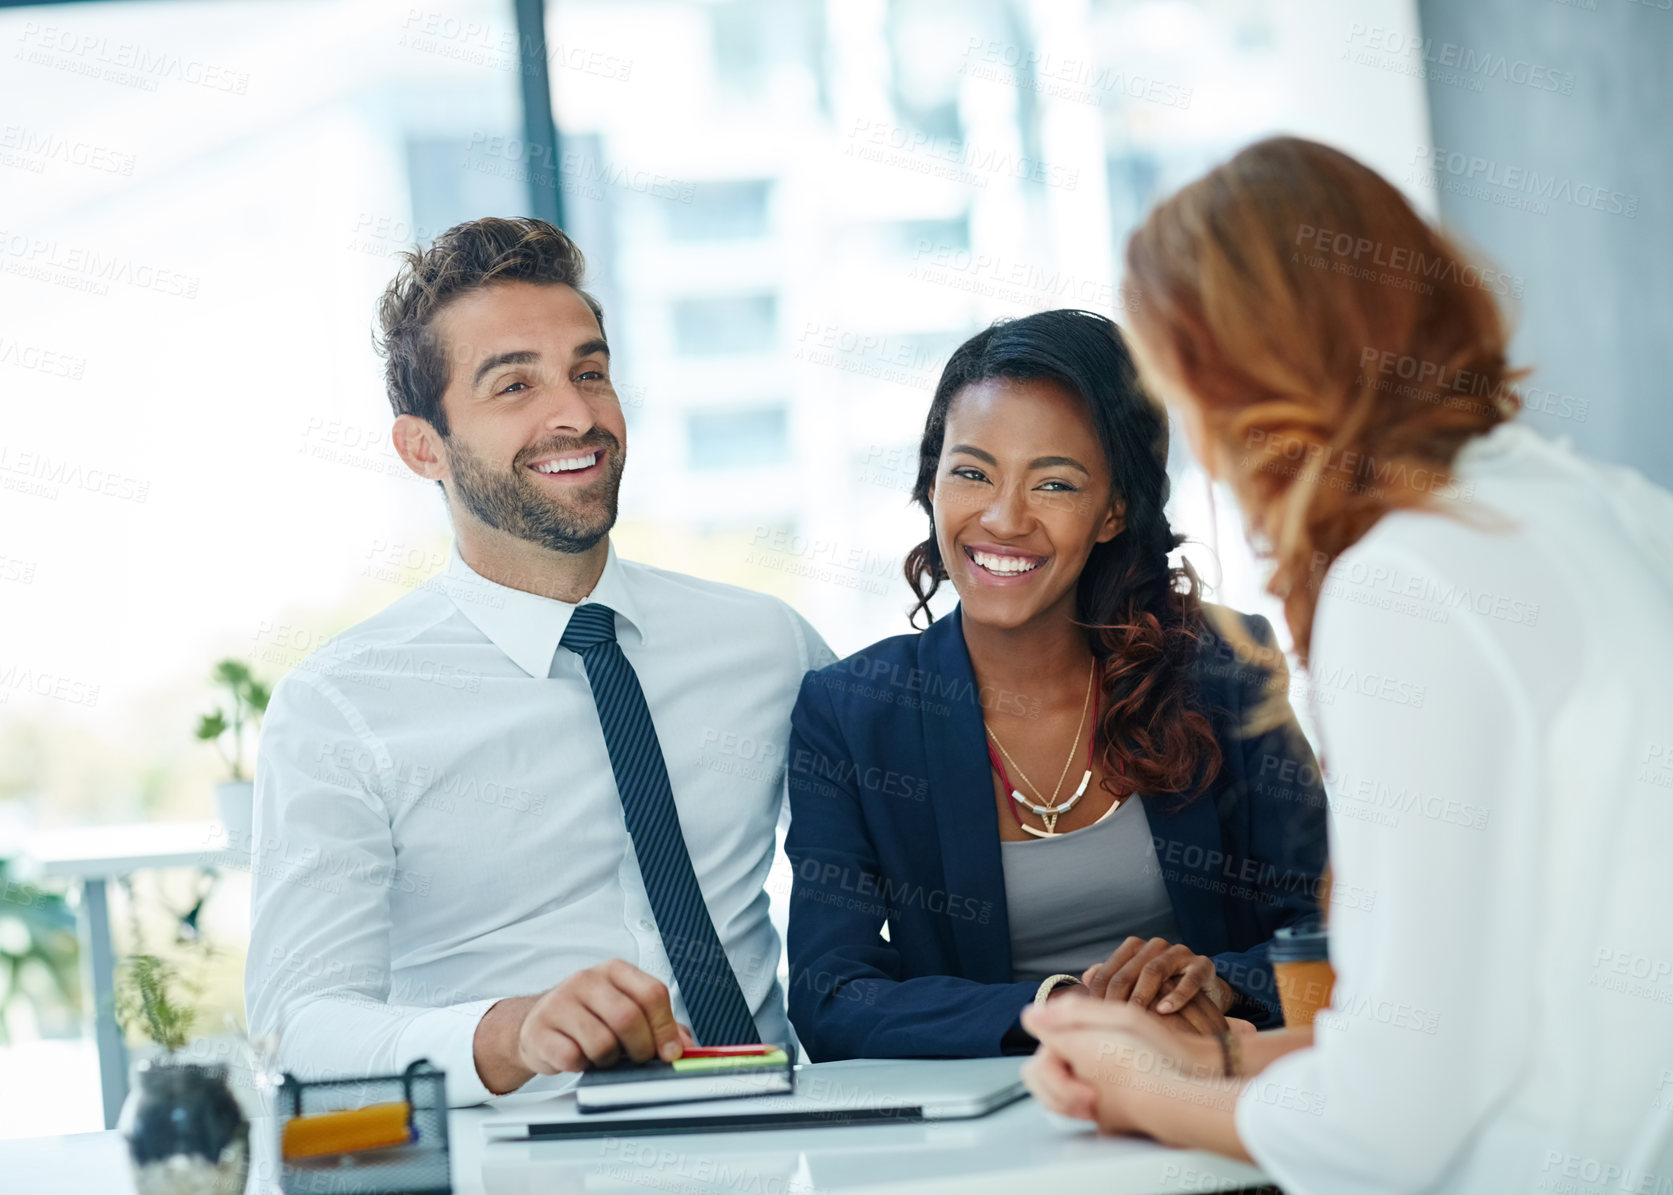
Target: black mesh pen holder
{"points": [[419, 1167]]}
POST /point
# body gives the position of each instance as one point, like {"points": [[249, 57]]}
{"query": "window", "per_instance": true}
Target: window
{"points": [[711, 327], [906, 237], [721, 211], [452, 181], [738, 439]]}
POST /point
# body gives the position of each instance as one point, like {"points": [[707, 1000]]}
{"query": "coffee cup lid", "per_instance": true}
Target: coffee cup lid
{"points": [[1302, 943]]}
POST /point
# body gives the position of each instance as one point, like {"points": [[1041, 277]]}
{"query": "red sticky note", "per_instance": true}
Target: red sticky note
{"points": [[726, 1051]]}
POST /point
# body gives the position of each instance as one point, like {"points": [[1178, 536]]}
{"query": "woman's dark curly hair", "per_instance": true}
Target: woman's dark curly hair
{"points": [[1143, 618]]}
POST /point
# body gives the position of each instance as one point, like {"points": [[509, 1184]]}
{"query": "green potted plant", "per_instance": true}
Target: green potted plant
{"points": [[184, 1128], [150, 1001], [228, 727], [39, 956]]}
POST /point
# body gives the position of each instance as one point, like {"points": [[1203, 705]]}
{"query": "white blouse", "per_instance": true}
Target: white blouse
{"points": [[1495, 698]]}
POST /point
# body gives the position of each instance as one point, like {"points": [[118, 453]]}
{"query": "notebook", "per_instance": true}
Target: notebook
{"points": [[827, 1093], [643, 1084]]}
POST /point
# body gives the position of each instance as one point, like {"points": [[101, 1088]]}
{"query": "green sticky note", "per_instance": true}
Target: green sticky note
{"points": [[685, 1066]]}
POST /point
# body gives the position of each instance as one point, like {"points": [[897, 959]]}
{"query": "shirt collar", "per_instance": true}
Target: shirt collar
{"points": [[528, 627]]}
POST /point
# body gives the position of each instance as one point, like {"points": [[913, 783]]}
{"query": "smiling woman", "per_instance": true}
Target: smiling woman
{"points": [[1080, 501], [1079, 670]]}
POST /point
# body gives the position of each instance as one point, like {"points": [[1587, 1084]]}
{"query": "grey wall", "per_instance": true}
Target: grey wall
{"points": [[1596, 317]]}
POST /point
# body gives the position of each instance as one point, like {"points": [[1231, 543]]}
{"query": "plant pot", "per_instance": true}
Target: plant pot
{"points": [[236, 801], [185, 1130]]}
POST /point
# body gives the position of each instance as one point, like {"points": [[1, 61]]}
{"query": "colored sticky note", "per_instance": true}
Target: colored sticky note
{"points": [[686, 1066]]}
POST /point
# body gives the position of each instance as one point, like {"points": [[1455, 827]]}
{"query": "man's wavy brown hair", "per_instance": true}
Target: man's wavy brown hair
{"points": [[1143, 616], [1339, 348], [465, 258]]}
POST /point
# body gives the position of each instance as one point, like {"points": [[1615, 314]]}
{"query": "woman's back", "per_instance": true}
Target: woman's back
{"points": [[1495, 696]]}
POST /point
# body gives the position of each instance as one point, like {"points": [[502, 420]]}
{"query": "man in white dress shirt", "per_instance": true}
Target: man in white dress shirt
{"points": [[443, 860]]}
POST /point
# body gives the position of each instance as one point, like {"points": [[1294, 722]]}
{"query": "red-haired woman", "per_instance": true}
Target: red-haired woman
{"points": [[1488, 622]]}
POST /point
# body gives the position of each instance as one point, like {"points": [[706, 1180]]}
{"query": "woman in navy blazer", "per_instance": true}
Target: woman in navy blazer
{"points": [[1077, 649]]}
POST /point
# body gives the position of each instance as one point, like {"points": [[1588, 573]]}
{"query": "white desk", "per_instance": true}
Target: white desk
{"points": [[1019, 1148], [91, 856]]}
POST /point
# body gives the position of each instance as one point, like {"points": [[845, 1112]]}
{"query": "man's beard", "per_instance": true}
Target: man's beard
{"points": [[513, 502]]}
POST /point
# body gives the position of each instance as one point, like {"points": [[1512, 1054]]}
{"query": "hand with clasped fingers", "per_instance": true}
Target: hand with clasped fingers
{"points": [[1128, 1070], [1100, 1061], [1167, 977]]}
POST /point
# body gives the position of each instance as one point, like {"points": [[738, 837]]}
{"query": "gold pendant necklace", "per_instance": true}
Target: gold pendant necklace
{"points": [[1051, 832], [1050, 811]]}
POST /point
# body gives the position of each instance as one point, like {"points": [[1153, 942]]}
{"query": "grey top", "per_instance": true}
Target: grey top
{"points": [[1074, 898]]}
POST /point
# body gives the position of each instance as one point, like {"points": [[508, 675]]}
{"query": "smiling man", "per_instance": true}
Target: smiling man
{"points": [[497, 824]]}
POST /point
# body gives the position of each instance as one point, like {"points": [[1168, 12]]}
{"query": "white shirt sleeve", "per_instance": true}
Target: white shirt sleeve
{"points": [[1429, 757], [813, 653], [323, 860]]}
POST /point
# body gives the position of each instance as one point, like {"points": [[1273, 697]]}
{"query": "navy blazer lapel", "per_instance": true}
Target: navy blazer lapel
{"points": [[961, 793], [1188, 851]]}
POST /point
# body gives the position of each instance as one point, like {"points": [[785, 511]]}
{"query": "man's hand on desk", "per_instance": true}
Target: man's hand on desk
{"points": [[594, 1016]]}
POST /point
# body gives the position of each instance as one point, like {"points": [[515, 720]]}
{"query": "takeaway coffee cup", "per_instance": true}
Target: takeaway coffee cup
{"points": [[1301, 964]]}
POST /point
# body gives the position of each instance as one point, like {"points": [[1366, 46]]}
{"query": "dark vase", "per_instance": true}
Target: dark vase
{"points": [[186, 1133]]}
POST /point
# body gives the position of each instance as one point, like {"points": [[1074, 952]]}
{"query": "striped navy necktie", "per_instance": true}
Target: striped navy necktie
{"points": [[719, 1013]]}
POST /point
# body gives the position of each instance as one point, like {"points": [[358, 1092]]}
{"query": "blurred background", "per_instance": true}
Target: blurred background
{"points": [[793, 211]]}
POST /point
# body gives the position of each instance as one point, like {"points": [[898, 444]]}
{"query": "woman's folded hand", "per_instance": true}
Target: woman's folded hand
{"points": [[1103, 1061], [1167, 977]]}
